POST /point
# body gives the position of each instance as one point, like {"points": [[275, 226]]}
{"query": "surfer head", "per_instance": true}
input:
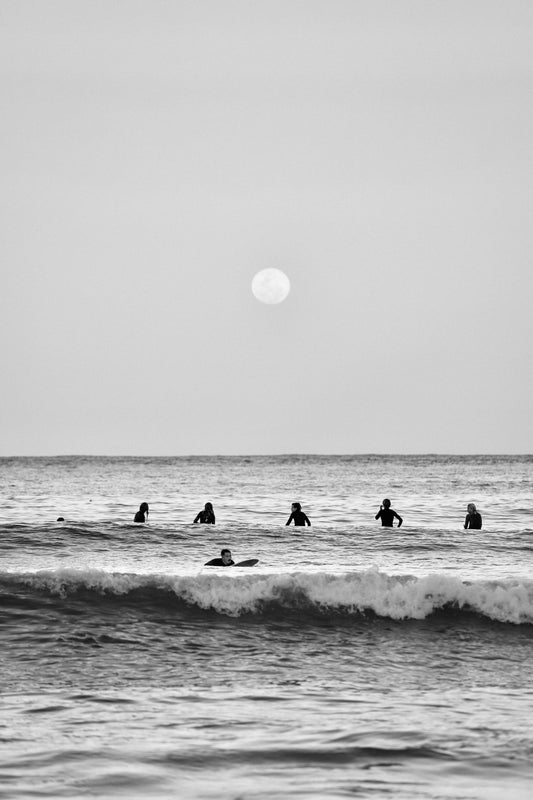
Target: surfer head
{"points": [[225, 555]]}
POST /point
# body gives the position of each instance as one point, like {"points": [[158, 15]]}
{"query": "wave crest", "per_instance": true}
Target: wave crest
{"points": [[397, 597]]}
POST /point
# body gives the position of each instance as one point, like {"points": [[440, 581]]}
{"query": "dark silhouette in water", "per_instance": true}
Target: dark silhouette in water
{"points": [[298, 516], [207, 516], [60, 519], [142, 513], [225, 560], [387, 515], [473, 518]]}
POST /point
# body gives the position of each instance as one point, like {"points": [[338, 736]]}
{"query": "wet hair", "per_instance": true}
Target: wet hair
{"points": [[225, 550], [144, 507], [471, 508], [298, 506], [208, 507], [386, 502]]}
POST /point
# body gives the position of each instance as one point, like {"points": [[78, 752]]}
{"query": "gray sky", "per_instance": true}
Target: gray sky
{"points": [[156, 155]]}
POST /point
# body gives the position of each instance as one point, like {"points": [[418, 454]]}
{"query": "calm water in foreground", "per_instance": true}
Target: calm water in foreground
{"points": [[350, 662]]}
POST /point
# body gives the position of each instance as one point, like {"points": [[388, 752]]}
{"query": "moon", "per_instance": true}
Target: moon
{"points": [[271, 286]]}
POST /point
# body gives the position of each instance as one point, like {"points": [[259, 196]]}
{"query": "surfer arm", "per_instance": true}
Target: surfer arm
{"points": [[197, 517], [307, 520], [378, 515], [289, 520], [400, 520]]}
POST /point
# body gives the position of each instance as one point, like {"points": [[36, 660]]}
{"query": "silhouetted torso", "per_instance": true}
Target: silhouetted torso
{"points": [[387, 516], [299, 518], [473, 521], [206, 517]]}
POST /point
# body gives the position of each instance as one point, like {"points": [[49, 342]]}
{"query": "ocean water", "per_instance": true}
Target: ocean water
{"points": [[352, 661]]}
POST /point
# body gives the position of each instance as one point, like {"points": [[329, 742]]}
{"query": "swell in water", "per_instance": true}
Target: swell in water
{"points": [[310, 594]]}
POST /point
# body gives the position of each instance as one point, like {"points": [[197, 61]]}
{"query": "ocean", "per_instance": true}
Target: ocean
{"points": [[352, 661]]}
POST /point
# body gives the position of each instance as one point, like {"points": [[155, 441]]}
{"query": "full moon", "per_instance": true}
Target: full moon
{"points": [[271, 286]]}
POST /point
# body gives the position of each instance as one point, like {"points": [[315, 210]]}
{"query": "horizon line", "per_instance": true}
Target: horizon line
{"points": [[263, 455]]}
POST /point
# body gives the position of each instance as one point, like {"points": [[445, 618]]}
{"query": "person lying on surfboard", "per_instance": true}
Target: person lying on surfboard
{"points": [[226, 560]]}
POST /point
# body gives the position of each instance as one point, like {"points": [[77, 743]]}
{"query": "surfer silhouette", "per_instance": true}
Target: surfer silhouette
{"points": [[297, 516], [473, 518], [387, 515], [207, 516], [142, 513]]}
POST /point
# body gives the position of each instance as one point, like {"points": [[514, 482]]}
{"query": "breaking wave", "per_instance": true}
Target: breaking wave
{"points": [[396, 597]]}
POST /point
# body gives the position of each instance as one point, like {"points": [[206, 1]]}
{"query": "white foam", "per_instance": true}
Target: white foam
{"points": [[394, 596]]}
